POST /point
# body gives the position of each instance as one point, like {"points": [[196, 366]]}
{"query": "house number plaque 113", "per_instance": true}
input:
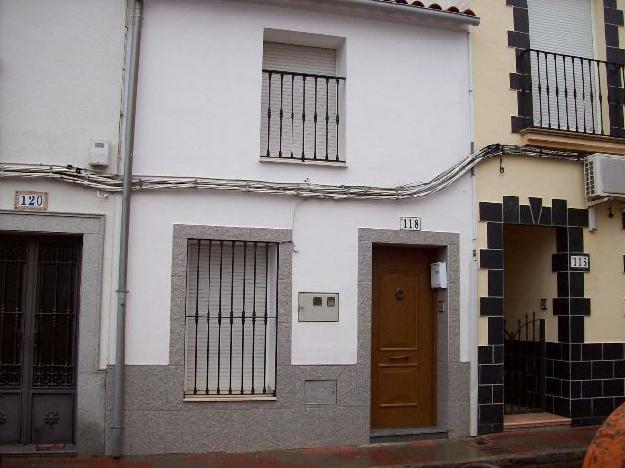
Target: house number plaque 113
{"points": [[31, 201]]}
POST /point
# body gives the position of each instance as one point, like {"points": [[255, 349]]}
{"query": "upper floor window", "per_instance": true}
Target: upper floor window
{"points": [[301, 104], [569, 86]]}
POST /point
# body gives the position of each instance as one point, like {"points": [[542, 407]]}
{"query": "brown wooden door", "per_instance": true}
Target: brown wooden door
{"points": [[403, 340]]}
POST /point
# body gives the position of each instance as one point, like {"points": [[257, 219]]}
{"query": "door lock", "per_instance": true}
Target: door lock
{"points": [[399, 294]]}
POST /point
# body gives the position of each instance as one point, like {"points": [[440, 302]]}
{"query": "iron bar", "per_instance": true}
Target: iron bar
{"points": [[555, 68], [304, 117], [221, 263], [281, 111], [266, 312], [292, 113], [243, 315], [327, 113], [232, 251], [315, 120], [337, 118], [600, 98], [197, 312], [208, 313], [254, 319], [269, 118], [575, 96], [540, 94], [548, 90], [276, 322], [566, 94]]}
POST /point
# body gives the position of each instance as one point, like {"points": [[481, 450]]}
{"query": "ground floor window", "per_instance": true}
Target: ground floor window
{"points": [[231, 318]]}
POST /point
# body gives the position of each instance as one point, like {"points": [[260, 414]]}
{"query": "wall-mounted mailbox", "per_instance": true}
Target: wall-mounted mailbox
{"points": [[318, 307], [438, 275]]}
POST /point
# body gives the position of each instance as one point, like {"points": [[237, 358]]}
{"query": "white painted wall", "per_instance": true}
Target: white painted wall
{"points": [[61, 78], [60, 86], [200, 92], [407, 118]]}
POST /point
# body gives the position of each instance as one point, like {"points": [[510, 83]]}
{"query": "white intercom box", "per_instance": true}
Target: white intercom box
{"points": [[318, 307], [438, 276]]}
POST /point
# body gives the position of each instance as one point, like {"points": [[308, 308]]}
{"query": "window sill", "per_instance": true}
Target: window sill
{"points": [[224, 398], [306, 162]]}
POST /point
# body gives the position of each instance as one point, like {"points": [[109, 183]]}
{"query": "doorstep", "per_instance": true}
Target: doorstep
{"points": [[402, 434], [513, 422]]}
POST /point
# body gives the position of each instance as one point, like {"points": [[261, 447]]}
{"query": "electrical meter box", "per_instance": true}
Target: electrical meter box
{"points": [[438, 275], [99, 153], [318, 307]]}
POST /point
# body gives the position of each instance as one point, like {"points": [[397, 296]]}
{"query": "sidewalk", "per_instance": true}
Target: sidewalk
{"points": [[560, 447]]}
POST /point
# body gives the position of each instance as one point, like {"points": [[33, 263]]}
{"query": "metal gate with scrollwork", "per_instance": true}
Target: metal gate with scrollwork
{"points": [[39, 285], [524, 364]]}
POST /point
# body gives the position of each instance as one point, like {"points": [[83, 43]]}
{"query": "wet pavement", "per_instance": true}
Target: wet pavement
{"points": [[557, 447]]}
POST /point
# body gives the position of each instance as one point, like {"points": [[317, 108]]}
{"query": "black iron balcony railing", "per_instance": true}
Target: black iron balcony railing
{"points": [[574, 94], [300, 116]]}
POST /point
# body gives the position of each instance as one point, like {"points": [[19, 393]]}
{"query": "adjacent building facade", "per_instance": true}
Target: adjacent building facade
{"points": [[314, 257], [549, 75]]}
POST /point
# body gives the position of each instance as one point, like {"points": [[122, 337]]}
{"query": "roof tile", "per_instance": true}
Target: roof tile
{"points": [[433, 6]]}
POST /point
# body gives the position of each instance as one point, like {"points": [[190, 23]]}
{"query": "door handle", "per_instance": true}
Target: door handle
{"points": [[397, 358]]}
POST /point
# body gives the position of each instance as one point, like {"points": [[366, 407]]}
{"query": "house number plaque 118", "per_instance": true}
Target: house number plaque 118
{"points": [[409, 223], [31, 201]]}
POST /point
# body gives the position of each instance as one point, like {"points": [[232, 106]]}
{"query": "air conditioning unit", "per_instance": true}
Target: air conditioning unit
{"points": [[604, 176]]}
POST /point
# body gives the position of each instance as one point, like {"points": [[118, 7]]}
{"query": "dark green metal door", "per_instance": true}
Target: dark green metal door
{"points": [[39, 284]]}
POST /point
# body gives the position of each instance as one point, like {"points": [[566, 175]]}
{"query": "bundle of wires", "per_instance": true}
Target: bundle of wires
{"points": [[112, 182]]}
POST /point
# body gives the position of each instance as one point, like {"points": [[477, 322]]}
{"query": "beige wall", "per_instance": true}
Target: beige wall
{"points": [[493, 61], [605, 284], [495, 103], [528, 276]]}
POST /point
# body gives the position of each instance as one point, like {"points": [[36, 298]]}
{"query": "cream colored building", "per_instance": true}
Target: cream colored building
{"points": [[549, 75]]}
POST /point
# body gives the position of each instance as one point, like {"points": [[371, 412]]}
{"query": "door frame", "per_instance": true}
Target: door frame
{"points": [[453, 378], [90, 381]]}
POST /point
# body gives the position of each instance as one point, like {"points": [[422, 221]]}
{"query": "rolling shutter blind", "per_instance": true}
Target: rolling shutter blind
{"points": [[288, 92], [300, 59], [567, 98], [561, 26], [231, 318]]}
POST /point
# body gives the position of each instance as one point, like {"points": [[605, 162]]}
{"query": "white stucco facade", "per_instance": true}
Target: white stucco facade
{"points": [[61, 88], [407, 114], [405, 118]]}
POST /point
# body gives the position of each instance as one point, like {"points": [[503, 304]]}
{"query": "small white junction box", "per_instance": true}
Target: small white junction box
{"points": [[438, 275], [99, 153], [318, 307]]}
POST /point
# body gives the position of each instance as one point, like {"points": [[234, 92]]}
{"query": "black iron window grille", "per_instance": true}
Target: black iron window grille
{"points": [[574, 94], [300, 116], [231, 318]]}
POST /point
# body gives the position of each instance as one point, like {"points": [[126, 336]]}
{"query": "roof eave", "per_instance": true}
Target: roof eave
{"points": [[381, 9]]}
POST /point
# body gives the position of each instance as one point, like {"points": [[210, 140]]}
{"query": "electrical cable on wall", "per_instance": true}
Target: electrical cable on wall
{"points": [[111, 182]]}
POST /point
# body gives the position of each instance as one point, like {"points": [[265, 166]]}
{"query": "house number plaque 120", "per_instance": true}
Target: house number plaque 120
{"points": [[409, 223], [31, 201]]}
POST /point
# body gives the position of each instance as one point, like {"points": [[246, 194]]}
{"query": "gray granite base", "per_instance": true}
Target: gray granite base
{"points": [[316, 405], [157, 420]]}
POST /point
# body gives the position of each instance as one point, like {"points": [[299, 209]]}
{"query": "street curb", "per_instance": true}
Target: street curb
{"points": [[559, 456]]}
